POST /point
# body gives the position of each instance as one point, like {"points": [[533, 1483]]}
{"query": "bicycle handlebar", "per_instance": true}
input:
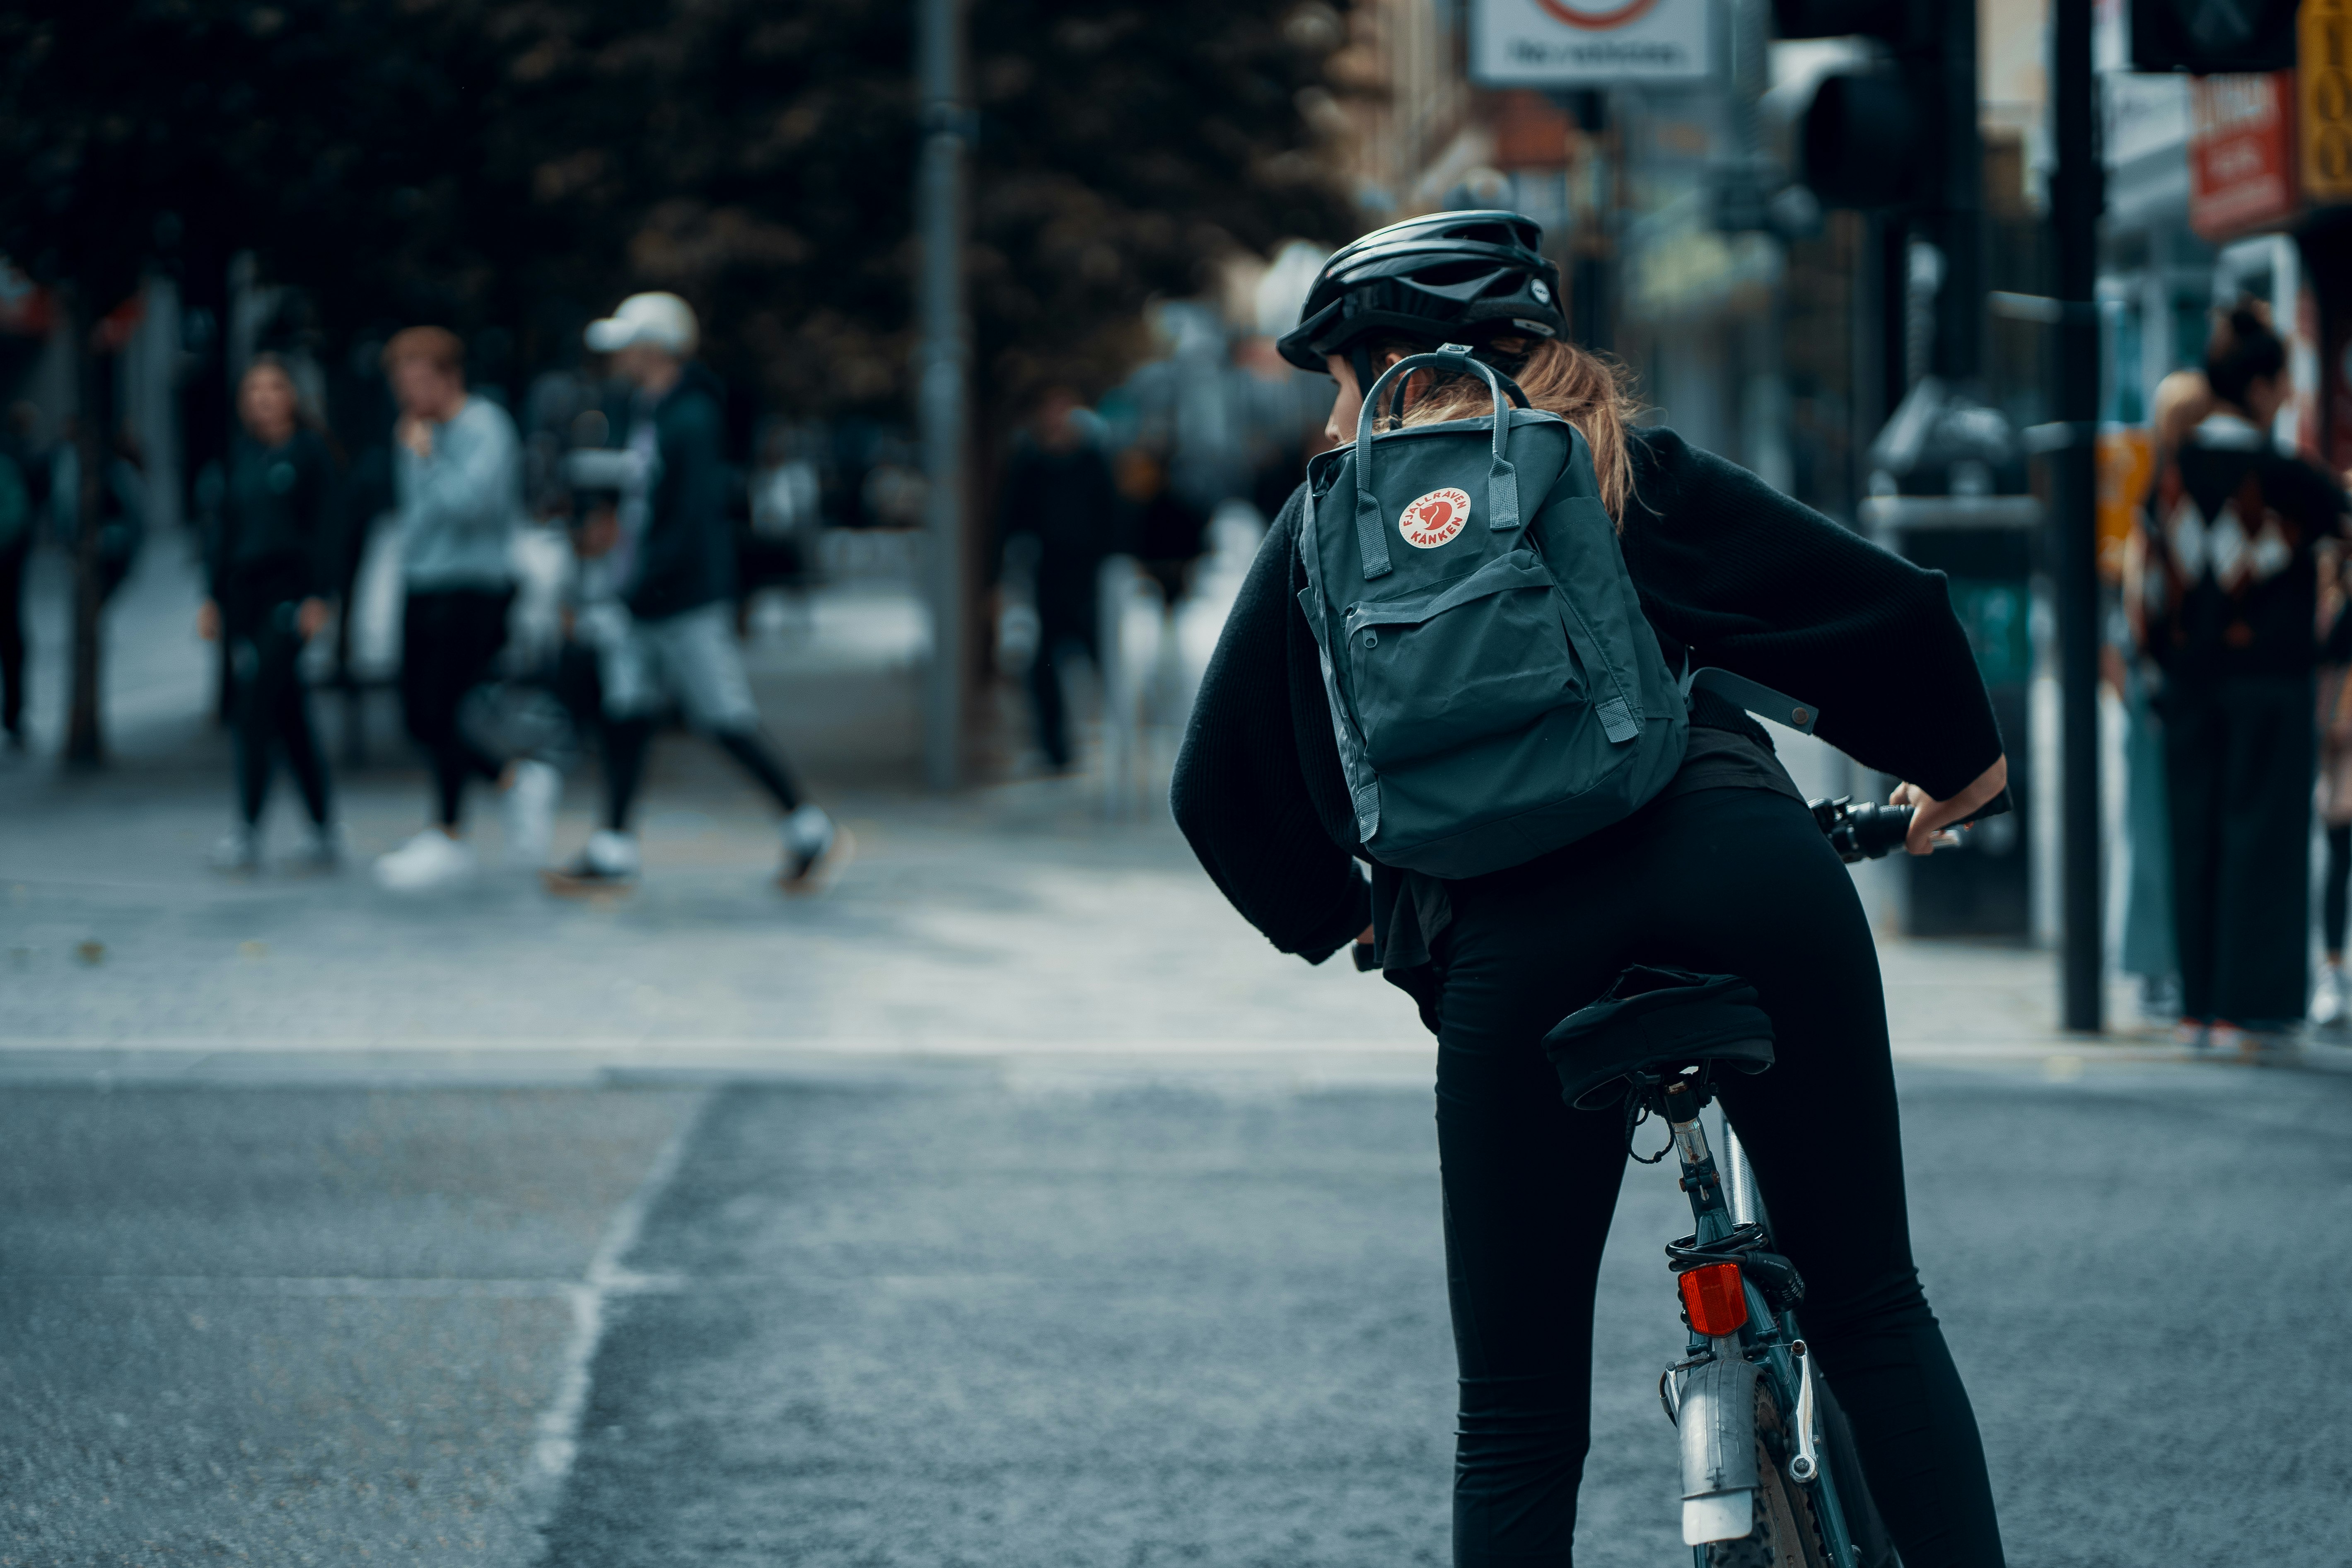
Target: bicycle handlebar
{"points": [[1866, 831]]}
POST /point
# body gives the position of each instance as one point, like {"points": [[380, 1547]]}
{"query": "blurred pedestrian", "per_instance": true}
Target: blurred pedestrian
{"points": [[15, 547], [34, 462], [2224, 586], [2331, 1000], [122, 512], [457, 480], [2181, 400], [663, 622], [274, 558], [1170, 531], [1057, 489]]}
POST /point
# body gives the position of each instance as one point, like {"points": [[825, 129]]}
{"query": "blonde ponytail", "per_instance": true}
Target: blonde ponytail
{"points": [[1594, 394]]}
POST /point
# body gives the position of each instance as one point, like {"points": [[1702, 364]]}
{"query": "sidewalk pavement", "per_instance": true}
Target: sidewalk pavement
{"points": [[1016, 923]]}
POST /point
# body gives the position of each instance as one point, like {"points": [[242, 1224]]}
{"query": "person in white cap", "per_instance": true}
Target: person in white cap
{"points": [[667, 632]]}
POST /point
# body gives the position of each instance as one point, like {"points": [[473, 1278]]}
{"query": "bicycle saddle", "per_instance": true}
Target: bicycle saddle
{"points": [[1656, 1021]]}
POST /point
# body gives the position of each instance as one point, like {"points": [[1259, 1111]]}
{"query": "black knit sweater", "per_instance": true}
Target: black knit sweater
{"points": [[1727, 568]]}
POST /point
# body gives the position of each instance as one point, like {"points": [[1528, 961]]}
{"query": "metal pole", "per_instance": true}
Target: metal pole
{"points": [[1588, 281], [1958, 353], [942, 366], [2076, 199]]}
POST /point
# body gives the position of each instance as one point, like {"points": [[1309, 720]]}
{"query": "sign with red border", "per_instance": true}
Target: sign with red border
{"points": [[1589, 43]]}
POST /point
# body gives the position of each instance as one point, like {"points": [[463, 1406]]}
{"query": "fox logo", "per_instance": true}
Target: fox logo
{"points": [[1434, 519]]}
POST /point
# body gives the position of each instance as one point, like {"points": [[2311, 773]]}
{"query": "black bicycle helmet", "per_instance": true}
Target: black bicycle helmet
{"points": [[1445, 277]]}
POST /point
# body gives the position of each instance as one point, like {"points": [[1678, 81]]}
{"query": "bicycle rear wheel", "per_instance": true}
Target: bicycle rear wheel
{"points": [[1787, 1534]]}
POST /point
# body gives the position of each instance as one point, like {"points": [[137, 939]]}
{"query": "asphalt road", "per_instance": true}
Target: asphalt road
{"points": [[941, 1318]]}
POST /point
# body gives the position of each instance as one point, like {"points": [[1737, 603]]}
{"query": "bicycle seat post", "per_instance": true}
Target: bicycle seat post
{"points": [[1680, 1104]]}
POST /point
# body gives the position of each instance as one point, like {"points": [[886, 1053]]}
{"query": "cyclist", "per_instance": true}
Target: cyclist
{"points": [[1725, 871]]}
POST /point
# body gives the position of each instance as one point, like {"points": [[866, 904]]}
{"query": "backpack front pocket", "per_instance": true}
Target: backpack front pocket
{"points": [[1485, 654]]}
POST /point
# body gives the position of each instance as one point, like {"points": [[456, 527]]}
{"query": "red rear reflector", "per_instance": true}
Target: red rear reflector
{"points": [[1714, 1299]]}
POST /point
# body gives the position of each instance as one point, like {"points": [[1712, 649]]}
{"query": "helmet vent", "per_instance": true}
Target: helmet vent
{"points": [[1446, 274]]}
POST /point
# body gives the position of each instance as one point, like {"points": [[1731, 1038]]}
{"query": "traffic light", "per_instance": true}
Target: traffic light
{"points": [[2207, 36], [1898, 136], [1869, 139], [1895, 20], [1866, 141]]}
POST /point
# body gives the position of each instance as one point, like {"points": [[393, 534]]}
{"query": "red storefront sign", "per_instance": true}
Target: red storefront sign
{"points": [[24, 308], [2242, 153]]}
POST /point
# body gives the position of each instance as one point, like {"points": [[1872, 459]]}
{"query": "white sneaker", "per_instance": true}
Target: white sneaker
{"points": [[815, 850], [2329, 1001], [531, 813], [431, 859], [239, 851]]}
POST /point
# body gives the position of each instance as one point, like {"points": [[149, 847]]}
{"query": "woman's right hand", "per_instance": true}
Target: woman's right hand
{"points": [[208, 621], [1929, 814]]}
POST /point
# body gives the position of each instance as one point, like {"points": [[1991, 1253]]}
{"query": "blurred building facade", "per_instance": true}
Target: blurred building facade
{"points": [[1777, 335]]}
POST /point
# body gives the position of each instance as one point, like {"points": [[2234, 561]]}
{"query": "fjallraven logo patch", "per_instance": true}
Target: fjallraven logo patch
{"points": [[1434, 519]]}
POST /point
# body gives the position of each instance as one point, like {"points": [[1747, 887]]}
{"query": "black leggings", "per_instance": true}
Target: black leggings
{"points": [[1724, 880], [1066, 630], [272, 710], [12, 633], [2239, 758], [628, 742], [449, 638], [2333, 883]]}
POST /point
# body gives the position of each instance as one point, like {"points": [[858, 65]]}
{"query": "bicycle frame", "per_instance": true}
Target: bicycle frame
{"points": [[1710, 1395]]}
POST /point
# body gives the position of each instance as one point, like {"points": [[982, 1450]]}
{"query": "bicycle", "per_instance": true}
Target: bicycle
{"points": [[1770, 1477]]}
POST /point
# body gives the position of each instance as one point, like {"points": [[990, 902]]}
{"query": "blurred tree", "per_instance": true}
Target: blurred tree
{"points": [[1125, 149], [101, 128], [762, 162], [477, 161], [515, 164]]}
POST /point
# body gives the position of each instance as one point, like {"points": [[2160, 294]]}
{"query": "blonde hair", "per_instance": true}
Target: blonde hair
{"points": [[1594, 394]]}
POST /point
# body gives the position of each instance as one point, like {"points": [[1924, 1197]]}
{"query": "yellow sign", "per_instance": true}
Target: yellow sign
{"points": [[2126, 455], [2324, 64]]}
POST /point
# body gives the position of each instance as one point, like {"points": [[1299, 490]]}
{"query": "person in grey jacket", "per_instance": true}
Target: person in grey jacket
{"points": [[457, 478]]}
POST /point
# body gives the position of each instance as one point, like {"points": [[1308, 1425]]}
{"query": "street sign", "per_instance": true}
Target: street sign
{"points": [[2240, 154], [1589, 43], [2327, 81]]}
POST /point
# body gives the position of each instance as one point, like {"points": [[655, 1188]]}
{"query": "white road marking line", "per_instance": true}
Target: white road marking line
{"points": [[557, 1444]]}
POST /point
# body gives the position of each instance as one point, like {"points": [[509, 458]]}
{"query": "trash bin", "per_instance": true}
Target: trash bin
{"points": [[1984, 546]]}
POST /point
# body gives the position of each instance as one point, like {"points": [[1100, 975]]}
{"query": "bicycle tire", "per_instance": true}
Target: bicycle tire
{"points": [[1872, 1547], [1787, 1534]]}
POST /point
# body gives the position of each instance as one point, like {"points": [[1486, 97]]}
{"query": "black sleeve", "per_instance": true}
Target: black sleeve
{"points": [[1240, 792], [688, 502], [1007, 521], [323, 524], [1768, 588], [2313, 498], [1102, 505], [220, 530]]}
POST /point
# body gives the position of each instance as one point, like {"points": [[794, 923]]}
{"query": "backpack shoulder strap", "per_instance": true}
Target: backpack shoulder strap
{"points": [[1751, 695]]}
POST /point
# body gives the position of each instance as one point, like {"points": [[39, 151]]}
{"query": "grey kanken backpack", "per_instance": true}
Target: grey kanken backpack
{"points": [[1494, 687]]}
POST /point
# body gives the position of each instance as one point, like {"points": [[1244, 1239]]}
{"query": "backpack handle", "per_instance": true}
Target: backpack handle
{"points": [[1502, 479]]}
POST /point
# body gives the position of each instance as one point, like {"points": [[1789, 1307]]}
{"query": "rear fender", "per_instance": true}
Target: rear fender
{"points": [[1716, 1421]]}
